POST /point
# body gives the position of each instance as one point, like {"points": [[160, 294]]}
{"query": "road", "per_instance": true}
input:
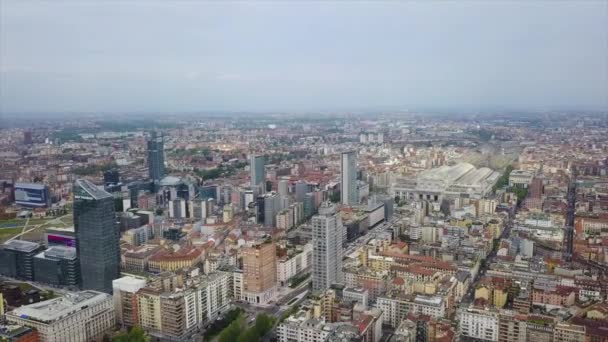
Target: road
{"points": [[490, 258]]}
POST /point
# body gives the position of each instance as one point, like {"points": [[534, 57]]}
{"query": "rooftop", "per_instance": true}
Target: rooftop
{"points": [[58, 252], [56, 309], [36, 186], [88, 189], [21, 245]]}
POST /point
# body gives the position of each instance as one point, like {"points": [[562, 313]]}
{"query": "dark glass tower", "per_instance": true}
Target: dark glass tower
{"points": [[97, 236], [156, 157]]}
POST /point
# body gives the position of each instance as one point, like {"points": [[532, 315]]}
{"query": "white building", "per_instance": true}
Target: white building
{"points": [[295, 265], [359, 295], [429, 305], [446, 181], [301, 328], [214, 295], [520, 178], [479, 324], [79, 316], [327, 232], [394, 308], [123, 294]]}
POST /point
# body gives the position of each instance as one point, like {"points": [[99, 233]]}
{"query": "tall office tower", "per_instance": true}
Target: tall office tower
{"points": [[272, 205], [327, 231], [27, 137], [97, 236], [259, 272], [301, 191], [283, 187], [258, 177], [348, 184], [156, 157]]}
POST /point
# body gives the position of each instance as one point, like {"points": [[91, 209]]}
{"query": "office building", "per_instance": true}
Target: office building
{"points": [[27, 137], [17, 259], [156, 157], [283, 187], [97, 236], [57, 265], [259, 272], [79, 317], [348, 183], [32, 195], [327, 231], [302, 189], [257, 165], [111, 177]]}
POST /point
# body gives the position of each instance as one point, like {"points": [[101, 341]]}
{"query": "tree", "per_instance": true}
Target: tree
{"points": [[232, 332], [263, 324], [136, 334]]}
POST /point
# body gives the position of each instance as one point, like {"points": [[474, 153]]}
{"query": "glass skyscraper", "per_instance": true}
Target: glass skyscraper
{"points": [[348, 183], [156, 157], [97, 236], [257, 171]]}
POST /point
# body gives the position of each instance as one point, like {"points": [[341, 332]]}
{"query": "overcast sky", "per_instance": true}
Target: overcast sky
{"points": [[191, 55]]}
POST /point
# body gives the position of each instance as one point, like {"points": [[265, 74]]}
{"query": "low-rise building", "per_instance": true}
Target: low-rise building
{"points": [[79, 316]]}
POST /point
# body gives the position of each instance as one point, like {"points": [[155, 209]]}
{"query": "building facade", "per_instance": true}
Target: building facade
{"points": [[97, 236], [327, 231], [78, 317], [348, 183]]}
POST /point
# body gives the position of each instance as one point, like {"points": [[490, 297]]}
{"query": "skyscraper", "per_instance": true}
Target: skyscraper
{"points": [[283, 187], [257, 164], [327, 231], [97, 236], [259, 272], [156, 157], [348, 184]]}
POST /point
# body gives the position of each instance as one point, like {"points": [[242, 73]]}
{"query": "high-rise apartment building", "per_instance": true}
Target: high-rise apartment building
{"points": [[156, 157], [257, 164], [348, 183], [259, 272], [327, 231], [125, 300], [97, 236]]}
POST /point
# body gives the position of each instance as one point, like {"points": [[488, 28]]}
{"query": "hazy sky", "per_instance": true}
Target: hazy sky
{"points": [[192, 55]]}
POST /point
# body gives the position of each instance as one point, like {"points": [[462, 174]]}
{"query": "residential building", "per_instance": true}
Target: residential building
{"points": [[259, 272], [327, 231], [479, 324]]}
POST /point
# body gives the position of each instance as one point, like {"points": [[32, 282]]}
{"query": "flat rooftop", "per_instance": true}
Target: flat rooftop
{"points": [[21, 245], [56, 309], [58, 252]]}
